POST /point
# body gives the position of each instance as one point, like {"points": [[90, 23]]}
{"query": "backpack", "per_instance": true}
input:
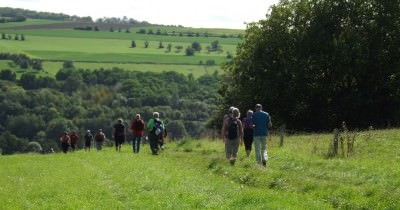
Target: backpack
{"points": [[88, 137], [158, 128], [99, 137], [232, 128]]}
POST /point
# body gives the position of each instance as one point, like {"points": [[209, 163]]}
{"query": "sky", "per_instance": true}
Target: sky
{"points": [[190, 13]]}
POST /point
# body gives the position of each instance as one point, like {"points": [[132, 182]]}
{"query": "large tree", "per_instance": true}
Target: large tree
{"points": [[314, 63]]}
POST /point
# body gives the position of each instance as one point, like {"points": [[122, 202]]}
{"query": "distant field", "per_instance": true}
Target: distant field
{"points": [[193, 174], [104, 49], [108, 50], [118, 35], [4, 64]]}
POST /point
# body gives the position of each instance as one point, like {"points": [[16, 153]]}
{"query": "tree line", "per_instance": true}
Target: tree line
{"points": [[24, 13], [185, 33], [314, 64], [23, 61], [38, 109]]}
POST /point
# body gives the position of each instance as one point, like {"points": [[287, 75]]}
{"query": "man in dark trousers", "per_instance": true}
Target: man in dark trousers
{"points": [[119, 134]]}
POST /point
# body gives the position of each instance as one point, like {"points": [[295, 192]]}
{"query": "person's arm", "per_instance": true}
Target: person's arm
{"points": [[270, 122], [223, 129]]}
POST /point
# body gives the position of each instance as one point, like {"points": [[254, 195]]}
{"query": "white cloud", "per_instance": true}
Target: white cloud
{"points": [[205, 13]]}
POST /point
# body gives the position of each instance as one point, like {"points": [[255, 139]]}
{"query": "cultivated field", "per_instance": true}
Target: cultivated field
{"points": [[113, 49], [194, 174]]}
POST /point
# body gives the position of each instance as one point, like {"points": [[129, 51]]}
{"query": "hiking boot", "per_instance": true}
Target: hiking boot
{"points": [[232, 162], [264, 163]]}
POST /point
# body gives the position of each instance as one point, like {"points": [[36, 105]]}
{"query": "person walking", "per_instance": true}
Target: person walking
{"points": [[99, 138], [74, 140], [137, 127], [119, 134], [248, 134], [88, 140], [65, 140], [155, 128], [262, 122], [232, 132]]}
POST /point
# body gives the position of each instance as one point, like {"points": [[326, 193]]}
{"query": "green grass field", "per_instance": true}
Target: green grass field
{"points": [[193, 174], [91, 49], [104, 49]]}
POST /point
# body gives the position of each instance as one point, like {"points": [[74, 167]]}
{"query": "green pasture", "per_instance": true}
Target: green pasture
{"points": [[70, 33], [108, 50], [5, 64], [193, 174]]}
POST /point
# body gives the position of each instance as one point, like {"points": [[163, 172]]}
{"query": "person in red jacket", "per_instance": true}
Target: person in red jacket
{"points": [[137, 128], [74, 140], [65, 141]]}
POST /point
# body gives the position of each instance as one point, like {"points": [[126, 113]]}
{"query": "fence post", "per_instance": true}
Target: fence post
{"points": [[335, 141], [282, 130]]}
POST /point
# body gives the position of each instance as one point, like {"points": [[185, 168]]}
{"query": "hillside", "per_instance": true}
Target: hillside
{"points": [[108, 69], [192, 174]]}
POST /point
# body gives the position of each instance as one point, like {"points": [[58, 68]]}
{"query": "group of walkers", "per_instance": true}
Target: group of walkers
{"points": [[155, 128], [252, 128]]}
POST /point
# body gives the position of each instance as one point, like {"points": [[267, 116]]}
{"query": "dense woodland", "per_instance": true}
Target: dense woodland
{"points": [[315, 63], [22, 14], [39, 108]]}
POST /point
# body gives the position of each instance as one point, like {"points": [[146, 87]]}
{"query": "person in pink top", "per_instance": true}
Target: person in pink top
{"points": [[137, 127]]}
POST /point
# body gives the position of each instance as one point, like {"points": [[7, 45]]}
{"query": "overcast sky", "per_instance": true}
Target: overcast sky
{"points": [[190, 13]]}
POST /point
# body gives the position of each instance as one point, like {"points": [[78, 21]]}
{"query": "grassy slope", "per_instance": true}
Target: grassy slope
{"points": [[194, 174]]}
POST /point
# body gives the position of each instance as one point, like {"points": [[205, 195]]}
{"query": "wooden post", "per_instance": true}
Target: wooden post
{"points": [[335, 142], [282, 130]]}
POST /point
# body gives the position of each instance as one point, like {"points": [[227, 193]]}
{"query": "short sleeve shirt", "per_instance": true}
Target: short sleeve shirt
{"points": [[261, 120]]}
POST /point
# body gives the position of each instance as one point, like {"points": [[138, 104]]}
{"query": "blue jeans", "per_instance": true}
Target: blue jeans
{"points": [[260, 148], [136, 143], [99, 145]]}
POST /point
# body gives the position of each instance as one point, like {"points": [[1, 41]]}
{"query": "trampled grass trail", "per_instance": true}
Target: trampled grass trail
{"points": [[193, 174]]}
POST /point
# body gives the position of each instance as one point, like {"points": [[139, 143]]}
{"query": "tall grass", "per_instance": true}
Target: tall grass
{"points": [[193, 174]]}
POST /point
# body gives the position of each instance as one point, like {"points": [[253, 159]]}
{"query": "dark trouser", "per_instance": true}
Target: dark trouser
{"points": [[248, 138], [153, 138], [73, 146], [64, 147], [136, 143]]}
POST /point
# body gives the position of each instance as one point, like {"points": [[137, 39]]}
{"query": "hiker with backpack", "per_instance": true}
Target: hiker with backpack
{"points": [[88, 140], [232, 133], [137, 127], [262, 122], [248, 134], [65, 141], [100, 137], [155, 128], [119, 134], [74, 140]]}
